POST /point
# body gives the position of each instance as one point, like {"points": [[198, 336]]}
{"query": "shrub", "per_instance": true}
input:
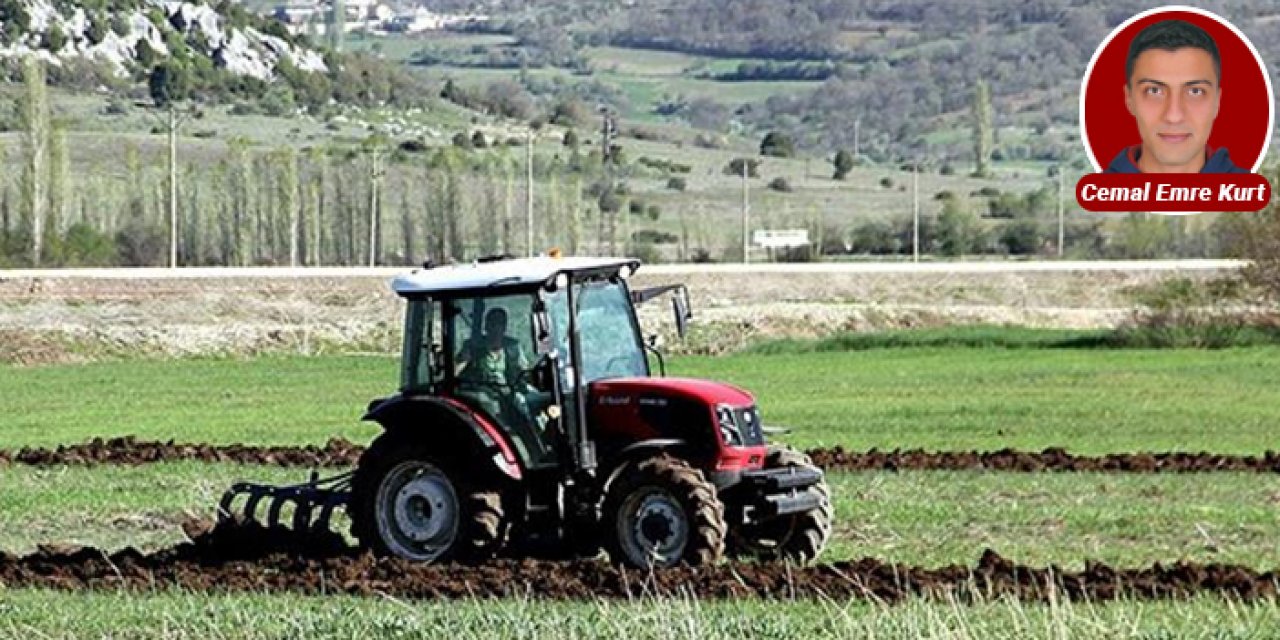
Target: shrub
{"points": [[780, 184], [777, 145], [677, 184], [735, 166], [653, 236]]}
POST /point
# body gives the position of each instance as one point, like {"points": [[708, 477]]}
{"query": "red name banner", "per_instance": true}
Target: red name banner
{"points": [[1173, 192]]}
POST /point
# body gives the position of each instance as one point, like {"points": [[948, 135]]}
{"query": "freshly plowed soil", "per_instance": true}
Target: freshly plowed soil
{"points": [[247, 557], [339, 452], [1053, 459]]}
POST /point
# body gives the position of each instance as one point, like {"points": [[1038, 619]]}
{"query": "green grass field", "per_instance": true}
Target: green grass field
{"points": [[183, 615], [937, 397], [1088, 401]]}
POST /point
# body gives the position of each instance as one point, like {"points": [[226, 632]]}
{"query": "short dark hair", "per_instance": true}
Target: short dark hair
{"points": [[497, 314], [1170, 35]]}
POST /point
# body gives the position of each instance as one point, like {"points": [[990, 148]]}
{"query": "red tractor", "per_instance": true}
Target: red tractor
{"points": [[528, 420]]}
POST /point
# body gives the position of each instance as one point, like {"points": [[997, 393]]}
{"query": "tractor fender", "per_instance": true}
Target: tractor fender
{"points": [[452, 423], [635, 451]]}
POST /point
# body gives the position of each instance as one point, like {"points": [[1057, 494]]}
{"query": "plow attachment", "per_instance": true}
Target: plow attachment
{"points": [[308, 507]]}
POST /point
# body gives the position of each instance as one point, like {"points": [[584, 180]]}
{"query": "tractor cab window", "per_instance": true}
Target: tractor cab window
{"points": [[610, 338], [608, 334], [423, 362], [492, 343]]}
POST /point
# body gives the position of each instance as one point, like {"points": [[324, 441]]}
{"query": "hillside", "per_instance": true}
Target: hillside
{"points": [[901, 74]]}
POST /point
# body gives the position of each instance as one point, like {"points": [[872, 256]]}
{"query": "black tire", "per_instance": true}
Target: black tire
{"points": [[799, 537], [481, 526], [663, 498]]}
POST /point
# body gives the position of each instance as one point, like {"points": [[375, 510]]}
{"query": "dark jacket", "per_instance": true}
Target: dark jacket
{"points": [[1219, 162]]}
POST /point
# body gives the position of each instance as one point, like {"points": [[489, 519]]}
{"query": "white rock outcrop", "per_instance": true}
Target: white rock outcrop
{"points": [[244, 51]]}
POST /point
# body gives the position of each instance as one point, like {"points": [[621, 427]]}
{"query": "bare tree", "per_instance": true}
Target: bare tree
{"points": [[574, 222], [35, 120], [286, 162], [242, 203], [509, 203], [407, 232], [58, 182], [375, 147]]}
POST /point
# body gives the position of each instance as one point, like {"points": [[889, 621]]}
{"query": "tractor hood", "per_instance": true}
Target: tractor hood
{"points": [[706, 392]]}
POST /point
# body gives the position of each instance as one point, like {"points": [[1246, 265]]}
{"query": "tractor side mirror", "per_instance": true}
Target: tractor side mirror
{"points": [[680, 306]]}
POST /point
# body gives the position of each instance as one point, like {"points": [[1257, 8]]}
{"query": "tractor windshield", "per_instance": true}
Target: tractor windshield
{"points": [[610, 339]]}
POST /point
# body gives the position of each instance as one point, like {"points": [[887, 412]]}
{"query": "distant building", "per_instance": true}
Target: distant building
{"points": [[296, 12], [419, 20]]}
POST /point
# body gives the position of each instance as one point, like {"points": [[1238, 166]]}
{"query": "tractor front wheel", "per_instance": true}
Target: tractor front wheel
{"points": [[660, 512], [409, 503]]}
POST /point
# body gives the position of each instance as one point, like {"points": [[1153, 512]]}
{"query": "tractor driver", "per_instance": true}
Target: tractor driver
{"points": [[490, 365]]}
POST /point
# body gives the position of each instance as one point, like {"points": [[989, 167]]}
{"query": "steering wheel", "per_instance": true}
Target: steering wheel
{"points": [[623, 359], [525, 376]]}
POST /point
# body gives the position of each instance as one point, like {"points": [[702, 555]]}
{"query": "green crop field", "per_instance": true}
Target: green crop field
{"points": [[187, 615], [1085, 400], [1025, 395]]}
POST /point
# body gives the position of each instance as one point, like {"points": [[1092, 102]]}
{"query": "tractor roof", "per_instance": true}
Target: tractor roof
{"points": [[502, 274]]}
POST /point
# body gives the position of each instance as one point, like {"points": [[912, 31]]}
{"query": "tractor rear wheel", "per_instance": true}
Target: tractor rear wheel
{"points": [[798, 537], [660, 512], [407, 502]]}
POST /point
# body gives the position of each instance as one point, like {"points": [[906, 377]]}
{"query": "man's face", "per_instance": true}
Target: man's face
{"points": [[1174, 97], [495, 325]]}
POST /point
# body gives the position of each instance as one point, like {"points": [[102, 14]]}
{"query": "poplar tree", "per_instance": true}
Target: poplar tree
{"points": [[242, 203], [58, 182], [407, 231], [286, 162], [574, 222], [983, 137], [35, 120]]}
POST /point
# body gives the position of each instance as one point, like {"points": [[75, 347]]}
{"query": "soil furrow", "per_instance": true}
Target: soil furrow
{"points": [[252, 558], [338, 452]]}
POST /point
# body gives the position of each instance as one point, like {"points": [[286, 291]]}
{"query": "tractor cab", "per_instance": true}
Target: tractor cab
{"points": [[520, 341]]}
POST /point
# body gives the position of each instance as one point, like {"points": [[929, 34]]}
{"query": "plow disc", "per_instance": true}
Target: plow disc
{"points": [[305, 508]]}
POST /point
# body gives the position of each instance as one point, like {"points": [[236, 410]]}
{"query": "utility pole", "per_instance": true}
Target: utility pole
{"points": [[608, 129], [338, 24], [1061, 225], [746, 215], [857, 123], [172, 123], [915, 211], [528, 193], [376, 172], [173, 186]]}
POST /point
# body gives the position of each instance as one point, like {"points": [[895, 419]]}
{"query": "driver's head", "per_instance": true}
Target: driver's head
{"points": [[495, 322]]}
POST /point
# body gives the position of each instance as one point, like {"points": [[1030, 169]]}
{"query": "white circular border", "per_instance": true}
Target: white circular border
{"points": [[1088, 73]]}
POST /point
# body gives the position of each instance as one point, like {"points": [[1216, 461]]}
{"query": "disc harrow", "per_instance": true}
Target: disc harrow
{"points": [[312, 503]]}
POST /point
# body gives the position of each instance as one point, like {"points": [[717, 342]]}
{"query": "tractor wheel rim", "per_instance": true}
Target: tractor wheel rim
{"points": [[654, 529], [418, 511]]}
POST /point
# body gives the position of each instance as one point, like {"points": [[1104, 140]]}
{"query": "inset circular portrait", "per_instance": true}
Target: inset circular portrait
{"points": [[1176, 90]]}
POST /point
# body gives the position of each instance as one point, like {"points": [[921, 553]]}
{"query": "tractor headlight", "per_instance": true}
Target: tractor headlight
{"points": [[728, 424]]}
